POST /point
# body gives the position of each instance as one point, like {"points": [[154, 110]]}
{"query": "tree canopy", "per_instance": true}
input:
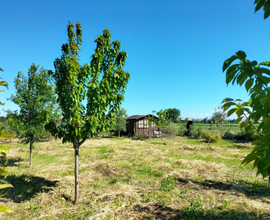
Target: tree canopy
{"points": [[173, 113], [101, 84], [36, 99], [121, 121]]}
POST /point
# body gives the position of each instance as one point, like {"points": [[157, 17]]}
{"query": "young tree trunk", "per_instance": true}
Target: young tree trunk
{"points": [[31, 148], [76, 147], [118, 133]]}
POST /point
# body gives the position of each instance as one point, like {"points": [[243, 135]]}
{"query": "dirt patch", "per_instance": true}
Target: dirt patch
{"points": [[107, 170]]}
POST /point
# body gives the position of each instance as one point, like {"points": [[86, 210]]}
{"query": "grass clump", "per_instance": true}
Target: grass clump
{"points": [[211, 136], [168, 183]]}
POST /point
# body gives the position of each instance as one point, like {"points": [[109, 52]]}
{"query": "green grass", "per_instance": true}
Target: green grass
{"points": [[121, 178]]}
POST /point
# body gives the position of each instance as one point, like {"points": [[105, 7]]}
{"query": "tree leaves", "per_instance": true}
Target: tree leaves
{"points": [[249, 83], [101, 84], [228, 62], [266, 7]]}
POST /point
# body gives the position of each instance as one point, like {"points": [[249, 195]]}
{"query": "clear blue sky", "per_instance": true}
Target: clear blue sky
{"points": [[175, 48]]}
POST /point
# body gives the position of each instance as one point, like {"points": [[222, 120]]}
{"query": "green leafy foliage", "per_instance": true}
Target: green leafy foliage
{"points": [[211, 136], [196, 132], [121, 120], [3, 83], [266, 7], [36, 99], [3, 171], [256, 78], [101, 84], [159, 118], [171, 130], [173, 113]]}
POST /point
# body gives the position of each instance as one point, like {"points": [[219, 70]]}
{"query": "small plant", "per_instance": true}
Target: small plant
{"points": [[224, 205], [113, 180], [183, 192], [168, 184], [146, 198], [196, 209]]}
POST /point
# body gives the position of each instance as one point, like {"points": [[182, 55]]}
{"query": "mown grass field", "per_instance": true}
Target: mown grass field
{"points": [[121, 178]]}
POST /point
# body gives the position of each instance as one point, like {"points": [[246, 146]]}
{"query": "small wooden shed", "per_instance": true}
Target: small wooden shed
{"points": [[138, 125]]}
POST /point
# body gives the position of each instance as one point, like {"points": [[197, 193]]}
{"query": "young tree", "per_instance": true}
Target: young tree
{"points": [[173, 114], [36, 98], [162, 120], [121, 121], [102, 84], [256, 79]]}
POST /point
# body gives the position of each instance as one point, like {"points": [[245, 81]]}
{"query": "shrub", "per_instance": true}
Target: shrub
{"points": [[171, 130], [182, 130], [196, 132], [244, 136], [229, 136], [211, 136], [240, 136]]}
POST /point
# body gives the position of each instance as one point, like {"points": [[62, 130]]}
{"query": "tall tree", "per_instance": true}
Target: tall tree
{"points": [[256, 79], [121, 121], [102, 84], [36, 99], [173, 113]]}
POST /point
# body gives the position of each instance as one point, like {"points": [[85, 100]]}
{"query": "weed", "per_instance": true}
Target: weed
{"points": [[183, 192], [146, 198], [168, 183], [113, 180]]}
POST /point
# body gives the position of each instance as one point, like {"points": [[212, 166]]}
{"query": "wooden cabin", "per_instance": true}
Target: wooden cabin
{"points": [[138, 125]]}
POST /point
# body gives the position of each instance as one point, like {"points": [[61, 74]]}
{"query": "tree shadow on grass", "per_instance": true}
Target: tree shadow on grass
{"points": [[193, 211], [239, 146], [249, 189], [26, 187], [14, 162], [10, 161]]}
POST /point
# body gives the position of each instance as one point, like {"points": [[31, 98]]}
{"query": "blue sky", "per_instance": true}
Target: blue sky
{"points": [[175, 48]]}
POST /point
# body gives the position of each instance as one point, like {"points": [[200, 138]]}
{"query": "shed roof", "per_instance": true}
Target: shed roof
{"points": [[138, 116]]}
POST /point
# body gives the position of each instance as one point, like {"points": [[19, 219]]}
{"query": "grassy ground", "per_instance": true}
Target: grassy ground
{"points": [[120, 178]]}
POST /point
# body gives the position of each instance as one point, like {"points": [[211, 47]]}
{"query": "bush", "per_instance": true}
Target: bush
{"points": [[211, 136], [244, 136], [240, 136], [181, 130], [171, 130], [229, 136], [196, 132]]}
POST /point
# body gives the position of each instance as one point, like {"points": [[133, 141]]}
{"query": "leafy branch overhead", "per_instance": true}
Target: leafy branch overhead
{"points": [[266, 7], [256, 78]]}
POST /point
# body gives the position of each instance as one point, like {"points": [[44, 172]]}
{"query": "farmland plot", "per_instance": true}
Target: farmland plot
{"points": [[176, 178]]}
